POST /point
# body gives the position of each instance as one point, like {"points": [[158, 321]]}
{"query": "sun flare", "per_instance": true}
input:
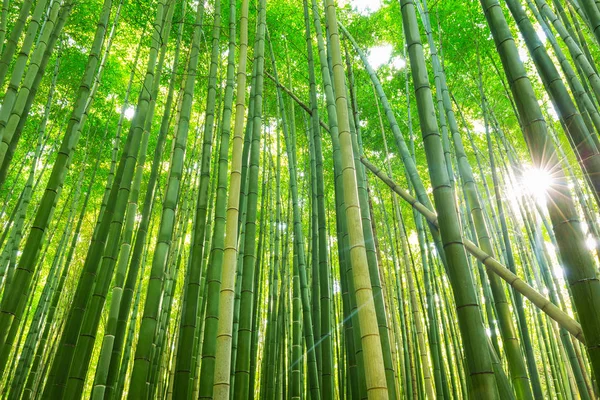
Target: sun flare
{"points": [[534, 182]]}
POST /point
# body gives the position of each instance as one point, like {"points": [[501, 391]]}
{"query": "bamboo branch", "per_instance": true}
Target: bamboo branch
{"points": [[296, 99]]}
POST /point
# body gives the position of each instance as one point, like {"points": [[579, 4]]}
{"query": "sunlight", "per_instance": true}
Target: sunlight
{"points": [[129, 112], [397, 63], [413, 238], [380, 55], [534, 182], [550, 109], [337, 288], [365, 7], [523, 54], [478, 127], [540, 33], [557, 270], [590, 243], [553, 114]]}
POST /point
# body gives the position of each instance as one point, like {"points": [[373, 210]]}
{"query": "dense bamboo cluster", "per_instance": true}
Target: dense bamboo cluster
{"points": [[224, 199]]}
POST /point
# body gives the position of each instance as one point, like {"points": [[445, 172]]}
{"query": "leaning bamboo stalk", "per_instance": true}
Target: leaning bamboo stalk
{"points": [[486, 379], [13, 301], [189, 327], [582, 143], [112, 345], [20, 63], [545, 305], [302, 105], [142, 365], [15, 38], [574, 49], [515, 357], [14, 100], [4, 19]]}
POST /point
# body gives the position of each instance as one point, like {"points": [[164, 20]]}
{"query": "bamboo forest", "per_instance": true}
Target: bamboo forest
{"points": [[300, 199]]}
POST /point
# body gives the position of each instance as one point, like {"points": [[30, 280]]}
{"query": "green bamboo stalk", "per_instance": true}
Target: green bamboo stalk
{"points": [[3, 22], [141, 366], [217, 251], [13, 40], [19, 64], [14, 100], [14, 300], [470, 322], [353, 336], [188, 326]]}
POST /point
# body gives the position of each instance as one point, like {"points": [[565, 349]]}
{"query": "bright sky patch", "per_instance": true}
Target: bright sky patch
{"points": [[382, 55]]}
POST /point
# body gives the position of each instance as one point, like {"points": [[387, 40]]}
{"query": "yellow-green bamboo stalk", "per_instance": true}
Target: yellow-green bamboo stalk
{"points": [[221, 385], [374, 368]]}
